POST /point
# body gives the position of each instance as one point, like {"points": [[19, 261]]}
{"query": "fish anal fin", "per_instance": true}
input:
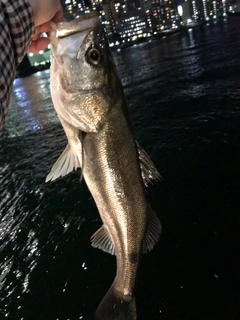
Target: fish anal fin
{"points": [[148, 170], [67, 162], [101, 240], [153, 231]]}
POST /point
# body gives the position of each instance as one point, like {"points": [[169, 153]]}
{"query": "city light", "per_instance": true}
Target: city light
{"points": [[180, 10], [134, 20], [127, 19], [130, 18]]}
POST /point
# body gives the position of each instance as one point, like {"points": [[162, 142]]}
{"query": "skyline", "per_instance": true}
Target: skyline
{"points": [[127, 24], [131, 20]]}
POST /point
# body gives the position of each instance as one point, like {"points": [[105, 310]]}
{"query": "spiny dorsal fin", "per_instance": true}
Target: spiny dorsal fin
{"points": [[148, 169], [67, 162], [153, 231], [101, 239]]}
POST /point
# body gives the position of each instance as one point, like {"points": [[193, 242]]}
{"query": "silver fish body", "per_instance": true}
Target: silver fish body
{"points": [[89, 99]]}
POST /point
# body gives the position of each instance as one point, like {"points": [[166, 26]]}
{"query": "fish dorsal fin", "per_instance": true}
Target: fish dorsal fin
{"points": [[101, 240], [148, 169], [81, 136], [152, 232], [67, 162]]}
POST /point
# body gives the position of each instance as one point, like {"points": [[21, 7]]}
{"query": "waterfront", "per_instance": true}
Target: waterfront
{"points": [[183, 92]]}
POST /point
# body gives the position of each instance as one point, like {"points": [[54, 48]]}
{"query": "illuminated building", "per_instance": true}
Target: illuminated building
{"points": [[110, 17], [161, 14], [74, 7], [129, 19], [224, 8], [148, 16], [195, 11], [186, 12], [208, 9], [138, 18], [122, 19], [132, 20], [233, 7]]}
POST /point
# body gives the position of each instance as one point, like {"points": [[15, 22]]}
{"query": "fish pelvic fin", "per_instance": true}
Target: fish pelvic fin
{"points": [[153, 231], [148, 170], [101, 240], [67, 162], [116, 306]]}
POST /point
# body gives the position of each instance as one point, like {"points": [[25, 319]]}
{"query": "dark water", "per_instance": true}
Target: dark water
{"points": [[184, 97]]}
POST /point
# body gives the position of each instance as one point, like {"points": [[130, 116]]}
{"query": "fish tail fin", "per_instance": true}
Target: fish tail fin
{"points": [[116, 306]]}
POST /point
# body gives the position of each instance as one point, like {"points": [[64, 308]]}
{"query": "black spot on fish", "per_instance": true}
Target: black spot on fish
{"points": [[134, 257]]}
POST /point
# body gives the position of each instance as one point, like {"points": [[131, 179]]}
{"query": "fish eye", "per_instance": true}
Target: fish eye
{"points": [[93, 56]]}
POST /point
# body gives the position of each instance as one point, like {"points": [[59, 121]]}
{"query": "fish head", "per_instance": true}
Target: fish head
{"points": [[85, 70]]}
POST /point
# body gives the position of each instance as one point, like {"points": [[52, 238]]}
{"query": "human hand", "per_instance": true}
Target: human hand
{"points": [[44, 11]]}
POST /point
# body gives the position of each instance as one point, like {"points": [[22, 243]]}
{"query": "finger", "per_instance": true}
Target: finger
{"points": [[38, 45], [45, 27], [41, 29]]}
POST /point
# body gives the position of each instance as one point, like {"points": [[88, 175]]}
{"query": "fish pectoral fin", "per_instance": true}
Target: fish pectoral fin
{"points": [[67, 162], [153, 231], [148, 170], [101, 240]]}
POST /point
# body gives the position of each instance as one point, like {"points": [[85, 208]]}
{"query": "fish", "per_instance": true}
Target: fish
{"points": [[88, 97]]}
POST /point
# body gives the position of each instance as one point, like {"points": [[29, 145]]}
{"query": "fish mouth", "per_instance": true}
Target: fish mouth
{"points": [[81, 24], [63, 34]]}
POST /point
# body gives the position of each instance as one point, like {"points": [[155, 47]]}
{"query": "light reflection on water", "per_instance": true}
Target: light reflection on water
{"points": [[184, 99], [31, 106]]}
